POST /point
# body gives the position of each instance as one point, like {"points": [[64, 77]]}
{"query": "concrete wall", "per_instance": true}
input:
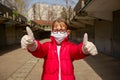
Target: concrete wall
{"points": [[19, 33], [2, 36], [78, 34], [103, 36], [10, 34], [100, 34], [116, 34]]}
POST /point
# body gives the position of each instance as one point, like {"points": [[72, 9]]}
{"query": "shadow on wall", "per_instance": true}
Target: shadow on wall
{"points": [[107, 67], [41, 34], [38, 35], [8, 48]]}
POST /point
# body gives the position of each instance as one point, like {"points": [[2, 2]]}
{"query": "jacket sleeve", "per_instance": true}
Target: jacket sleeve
{"points": [[76, 52], [41, 50]]}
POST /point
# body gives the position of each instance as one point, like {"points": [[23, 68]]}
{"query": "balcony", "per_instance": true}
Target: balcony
{"points": [[80, 17], [81, 5], [8, 15], [101, 9]]}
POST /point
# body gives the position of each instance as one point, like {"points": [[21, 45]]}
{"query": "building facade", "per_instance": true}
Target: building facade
{"points": [[43, 11], [103, 16], [11, 26]]}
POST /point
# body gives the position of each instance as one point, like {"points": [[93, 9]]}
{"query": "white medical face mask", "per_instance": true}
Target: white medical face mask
{"points": [[59, 36]]}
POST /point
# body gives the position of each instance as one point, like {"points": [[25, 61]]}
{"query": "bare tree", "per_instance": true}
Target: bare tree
{"points": [[25, 7], [69, 3], [50, 14], [43, 12], [40, 11], [64, 13], [34, 11], [22, 6], [46, 12]]}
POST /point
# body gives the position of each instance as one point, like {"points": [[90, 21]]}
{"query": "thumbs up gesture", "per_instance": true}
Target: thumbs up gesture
{"points": [[27, 41], [88, 47]]}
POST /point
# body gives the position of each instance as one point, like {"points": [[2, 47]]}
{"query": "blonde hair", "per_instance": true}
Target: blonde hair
{"points": [[62, 23]]}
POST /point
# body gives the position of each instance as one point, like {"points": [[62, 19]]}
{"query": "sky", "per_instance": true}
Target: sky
{"points": [[50, 2]]}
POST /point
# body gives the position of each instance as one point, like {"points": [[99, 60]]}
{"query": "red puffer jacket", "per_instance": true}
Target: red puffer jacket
{"points": [[68, 53]]}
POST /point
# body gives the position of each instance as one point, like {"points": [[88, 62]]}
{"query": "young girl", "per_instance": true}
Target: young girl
{"points": [[59, 53]]}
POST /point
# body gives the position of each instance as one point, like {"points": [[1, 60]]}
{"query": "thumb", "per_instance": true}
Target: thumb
{"points": [[29, 32], [85, 38]]}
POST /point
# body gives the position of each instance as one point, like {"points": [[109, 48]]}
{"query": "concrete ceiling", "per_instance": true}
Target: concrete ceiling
{"points": [[102, 8], [77, 24]]}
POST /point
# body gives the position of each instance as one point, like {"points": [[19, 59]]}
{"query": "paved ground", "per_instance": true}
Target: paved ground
{"points": [[18, 64]]}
